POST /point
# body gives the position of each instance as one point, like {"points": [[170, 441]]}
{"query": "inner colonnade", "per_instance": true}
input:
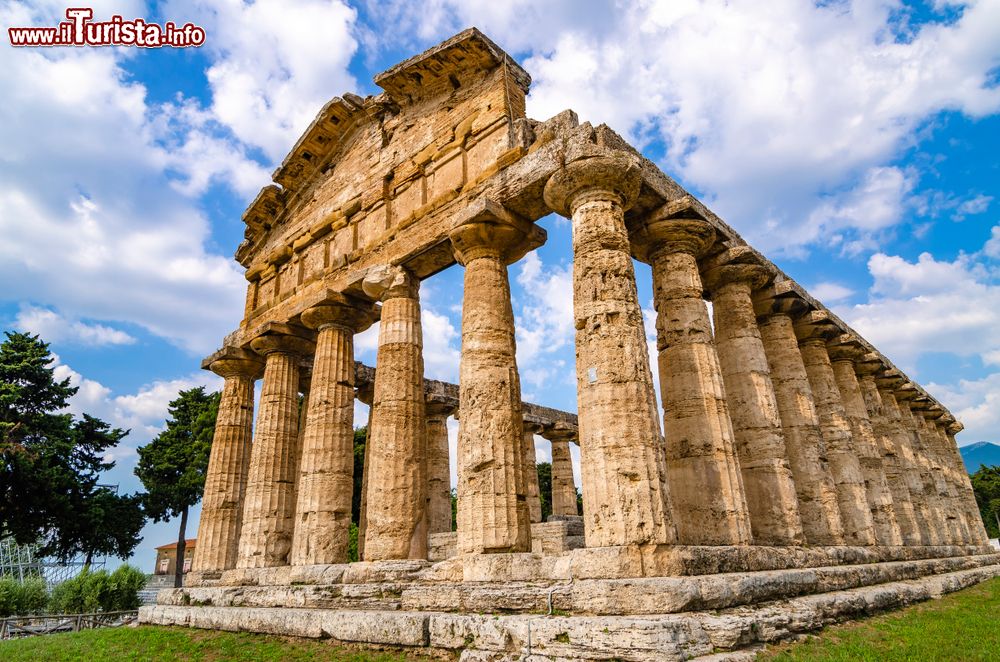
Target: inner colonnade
{"points": [[779, 428]]}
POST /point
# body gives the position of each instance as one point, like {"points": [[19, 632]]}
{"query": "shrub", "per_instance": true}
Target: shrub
{"points": [[22, 598], [91, 592]]}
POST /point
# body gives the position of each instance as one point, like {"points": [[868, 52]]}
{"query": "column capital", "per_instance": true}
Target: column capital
{"points": [[870, 366], [438, 408], [487, 229], [235, 362], [844, 349], [753, 276], [661, 234], [339, 310], [560, 432], [282, 343], [815, 327], [533, 427], [390, 282], [616, 178], [954, 427], [365, 393]]}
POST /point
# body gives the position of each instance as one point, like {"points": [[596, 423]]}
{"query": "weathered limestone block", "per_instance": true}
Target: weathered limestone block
{"points": [[891, 461], [855, 515], [225, 481], [492, 487], [753, 408], [438, 468], [703, 470], [923, 515], [326, 469], [876, 486], [269, 504], [817, 493], [626, 499], [396, 501], [531, 472], [563, 488]]}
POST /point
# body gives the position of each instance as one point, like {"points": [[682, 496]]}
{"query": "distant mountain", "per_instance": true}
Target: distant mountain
{"points": [[980, 453]]}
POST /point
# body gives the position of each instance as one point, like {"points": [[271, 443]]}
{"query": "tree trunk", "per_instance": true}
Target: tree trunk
{"points": [[179, 564], [88, 561]]}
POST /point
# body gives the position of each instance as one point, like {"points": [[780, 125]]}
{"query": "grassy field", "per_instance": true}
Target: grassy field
{"points": [[960, 627], [155, 643]]}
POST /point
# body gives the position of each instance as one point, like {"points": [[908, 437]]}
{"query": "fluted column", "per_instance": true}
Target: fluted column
{"points": [[876, 487], [438, 467], [531, 472], [225, 480], [855, 515], [913, 422], [326, 468], [952, 474], [902, 501], [563, 487], [710, 506], [625, 497], [396, 501], [807, 454], [954, 512], [492, 488], [910, 466], [977, 531], [753, 409], [269, 504]]}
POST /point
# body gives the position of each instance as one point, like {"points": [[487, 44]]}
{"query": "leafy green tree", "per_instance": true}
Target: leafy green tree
{"points": [[50, 462], [172, 466], [986, 485], [360, 440], [545, 488]]}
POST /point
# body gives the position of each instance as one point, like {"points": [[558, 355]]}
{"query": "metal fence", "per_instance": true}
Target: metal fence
{"points": [[29, 626]]}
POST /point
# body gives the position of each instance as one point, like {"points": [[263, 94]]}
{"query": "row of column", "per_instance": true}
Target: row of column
{"points": [[775, 431], [286, 498]]}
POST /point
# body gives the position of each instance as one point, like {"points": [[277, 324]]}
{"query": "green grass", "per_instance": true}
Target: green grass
{"points": [[963, 626], [156, 643]]}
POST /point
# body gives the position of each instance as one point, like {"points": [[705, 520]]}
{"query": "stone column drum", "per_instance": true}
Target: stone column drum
{"points": [[225, 480], [947, 489], [902, 501], [977, 530], [269, 504], [326, 469], [396, 500], [703, 471], [563, 487], [531, 472], [877, 488], [922, 514], [438, 467], [625, 497], [753, 409], [807, 454], [492, 489], [943, 531], [855, 515]]}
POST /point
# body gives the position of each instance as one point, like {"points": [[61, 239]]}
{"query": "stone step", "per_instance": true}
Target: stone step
{"points": [[538, 637]]}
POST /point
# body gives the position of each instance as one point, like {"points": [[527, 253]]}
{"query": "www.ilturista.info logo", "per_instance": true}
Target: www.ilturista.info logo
{"points": [[79, 30]]}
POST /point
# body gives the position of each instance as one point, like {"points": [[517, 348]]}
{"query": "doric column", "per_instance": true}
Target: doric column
{"points": [[977, 531], [876, 487], [927, 414], [703, 471], [366, 394], [326, 469], [269, 506], [753, 409], [855, 515], [531, 472], [225, 481], [492, 488], [438, 466], [625, 497], [396, 502], [902, 501], [909, 465], [943, 531], [807, 454], [563, 487]]}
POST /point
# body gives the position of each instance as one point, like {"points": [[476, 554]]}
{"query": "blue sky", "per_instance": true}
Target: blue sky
{"points": [[855, 143]]}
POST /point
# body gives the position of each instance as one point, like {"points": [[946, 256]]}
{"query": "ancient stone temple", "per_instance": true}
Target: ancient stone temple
{"points": [[789, 476]]}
